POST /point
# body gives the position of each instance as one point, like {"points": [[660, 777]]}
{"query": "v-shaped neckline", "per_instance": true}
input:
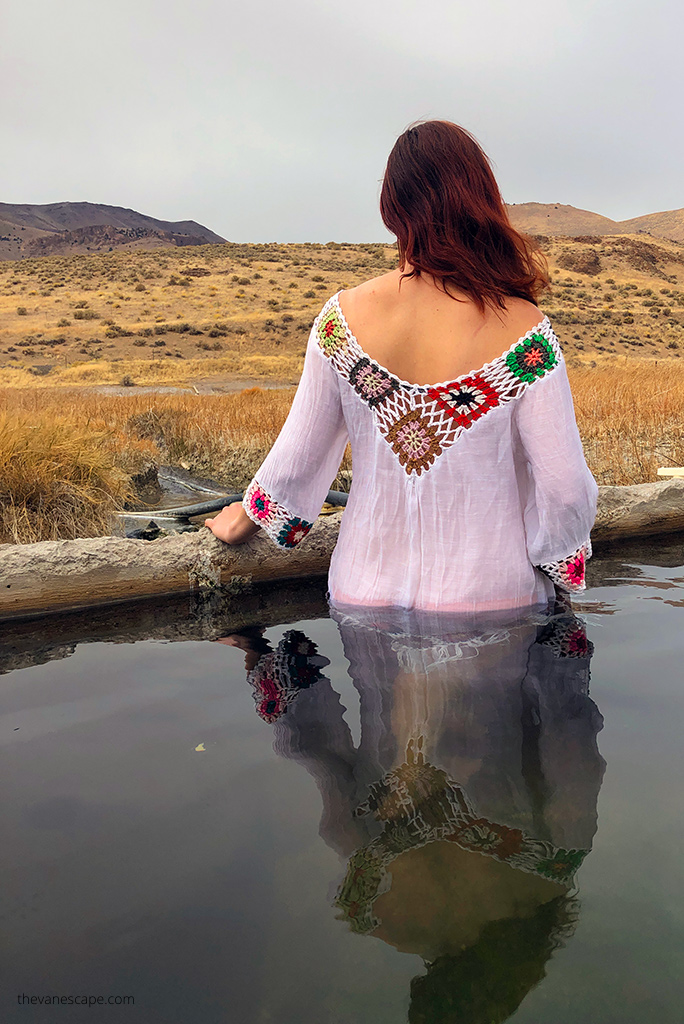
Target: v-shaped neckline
{"points": [[440, 385]]}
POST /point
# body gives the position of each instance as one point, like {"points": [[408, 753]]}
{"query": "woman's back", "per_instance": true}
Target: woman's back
{"points": [[460, 487], [422, 334], [468, 470]]}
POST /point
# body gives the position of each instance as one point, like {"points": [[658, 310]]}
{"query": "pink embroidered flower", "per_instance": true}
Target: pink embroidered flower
{"points": [[260, 504], [574, 569], [414, 441]]}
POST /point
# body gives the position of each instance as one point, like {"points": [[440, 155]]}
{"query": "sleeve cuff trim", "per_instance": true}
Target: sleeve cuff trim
{"points": [[283, 527], [569, 573]]}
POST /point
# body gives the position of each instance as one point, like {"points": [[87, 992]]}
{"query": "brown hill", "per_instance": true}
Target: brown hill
{"points": [[557, 219], [31, 230]]}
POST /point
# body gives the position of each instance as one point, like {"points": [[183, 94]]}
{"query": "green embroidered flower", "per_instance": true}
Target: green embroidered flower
{"points": [[532, 358], [331, 333], [563, 864]]}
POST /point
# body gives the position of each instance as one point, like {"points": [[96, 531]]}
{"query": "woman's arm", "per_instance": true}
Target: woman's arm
{"points": [[561, 493], [289, 488]]}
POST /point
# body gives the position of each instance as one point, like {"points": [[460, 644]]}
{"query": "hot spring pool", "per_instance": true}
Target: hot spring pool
{"points": [[329, 823]]}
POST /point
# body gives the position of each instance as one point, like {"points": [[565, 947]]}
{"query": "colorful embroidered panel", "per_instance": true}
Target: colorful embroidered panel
{"points": [[418, 803], [420, 422], [568, 573], [279, 523], [280, 675], [566, 637]]}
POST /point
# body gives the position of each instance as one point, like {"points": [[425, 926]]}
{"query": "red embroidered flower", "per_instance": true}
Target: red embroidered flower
{"points": [[577, 645], [331, 333], [260, 504], [466, 400]]}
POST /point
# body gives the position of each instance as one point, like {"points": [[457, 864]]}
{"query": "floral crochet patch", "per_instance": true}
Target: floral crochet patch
{"points": [[566, 637], [568, 573], [532, 358], [286, 529], [420, 422], [280, 675], [418, 803], [466, 399], [414, 441]]}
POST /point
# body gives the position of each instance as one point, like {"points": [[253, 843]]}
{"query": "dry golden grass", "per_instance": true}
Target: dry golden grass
{"points": [[631, 418], [630, 415], [170, 314], [61, 476], [244, 311]]}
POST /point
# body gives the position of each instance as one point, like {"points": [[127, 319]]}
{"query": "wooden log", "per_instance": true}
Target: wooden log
{"points": [[54, 575], [640, 510]]}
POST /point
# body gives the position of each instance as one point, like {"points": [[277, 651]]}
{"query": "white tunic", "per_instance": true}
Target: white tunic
{"points": [[468, 495]]}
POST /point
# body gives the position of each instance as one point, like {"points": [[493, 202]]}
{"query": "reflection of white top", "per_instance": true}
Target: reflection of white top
{"points": [[460, 489]]}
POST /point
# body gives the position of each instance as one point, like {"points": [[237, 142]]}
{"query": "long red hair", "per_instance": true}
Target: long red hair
{"points": [[441, 200]]}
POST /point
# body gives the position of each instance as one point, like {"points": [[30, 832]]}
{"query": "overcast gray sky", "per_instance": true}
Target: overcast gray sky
{"points": [[272, 121]]}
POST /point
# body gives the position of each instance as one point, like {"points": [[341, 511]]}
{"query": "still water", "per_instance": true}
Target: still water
{"points": [[374, 819]]}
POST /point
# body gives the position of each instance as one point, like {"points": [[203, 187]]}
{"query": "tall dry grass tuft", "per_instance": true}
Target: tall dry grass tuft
{"points": [[60, 479], [631, 418]]}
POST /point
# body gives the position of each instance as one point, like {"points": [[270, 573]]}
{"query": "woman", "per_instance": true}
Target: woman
{"points": [[471, 494]]}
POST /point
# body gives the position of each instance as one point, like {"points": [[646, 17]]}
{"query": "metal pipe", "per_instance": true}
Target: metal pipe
{"points": [[215, 505]]}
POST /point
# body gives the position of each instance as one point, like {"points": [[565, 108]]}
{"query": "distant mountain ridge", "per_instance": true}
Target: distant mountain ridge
{"points": [[557, 219], [39, 230]]}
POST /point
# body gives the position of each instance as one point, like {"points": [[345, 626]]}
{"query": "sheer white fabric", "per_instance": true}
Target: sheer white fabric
{"points": [[461, 491]]}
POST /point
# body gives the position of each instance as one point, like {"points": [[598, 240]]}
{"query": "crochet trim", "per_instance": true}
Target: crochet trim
{"points": [[281, 525], [418, 803], [569, 573], [419, 422], [280, 675]]}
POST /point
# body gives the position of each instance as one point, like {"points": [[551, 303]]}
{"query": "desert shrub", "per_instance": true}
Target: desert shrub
{"points": [[64, 322], [22, 311]]}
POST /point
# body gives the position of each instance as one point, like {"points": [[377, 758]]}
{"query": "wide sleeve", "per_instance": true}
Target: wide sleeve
{"points": [[290, 486], [560, 493]]}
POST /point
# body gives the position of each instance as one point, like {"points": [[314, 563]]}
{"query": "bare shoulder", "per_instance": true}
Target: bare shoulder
{"points": [[369, 294], [521, 316]]}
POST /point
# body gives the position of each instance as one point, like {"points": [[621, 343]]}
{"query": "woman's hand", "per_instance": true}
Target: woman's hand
{"points": [[232, 525]]}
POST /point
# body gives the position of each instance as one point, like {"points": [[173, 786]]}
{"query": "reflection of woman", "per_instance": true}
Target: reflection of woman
{"points": [[465, 489], [470, 801]]}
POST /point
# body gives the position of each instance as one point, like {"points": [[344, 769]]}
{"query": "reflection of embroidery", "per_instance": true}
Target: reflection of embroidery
{"points": [[420, 804], [279, 523], [279, 675], [567, 638], [420, 421], [568, 573]]}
